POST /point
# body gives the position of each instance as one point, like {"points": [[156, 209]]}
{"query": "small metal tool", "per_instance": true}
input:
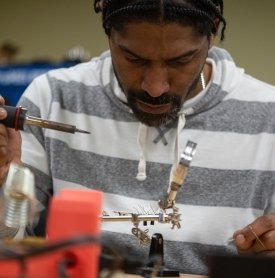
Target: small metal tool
{"points": [[17, 118]]}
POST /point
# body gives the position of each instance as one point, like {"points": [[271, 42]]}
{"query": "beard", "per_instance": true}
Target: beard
{"points": [[175, 100], [154, 119]]}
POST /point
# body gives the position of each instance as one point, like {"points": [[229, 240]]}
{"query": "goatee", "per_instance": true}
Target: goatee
{"points": [[174, 101]]}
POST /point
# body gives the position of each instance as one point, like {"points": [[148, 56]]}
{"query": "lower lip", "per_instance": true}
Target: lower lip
{"points": [[153, 109]]}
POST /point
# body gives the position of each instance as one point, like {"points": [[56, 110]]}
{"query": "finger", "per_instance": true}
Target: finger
{"points": [[242, 247], [265, 243], [15, 141], [258, 246], [10, 150], [10, 141], [2, 100], [3, 113], [270, 253], [3, 136], [246, 237]]}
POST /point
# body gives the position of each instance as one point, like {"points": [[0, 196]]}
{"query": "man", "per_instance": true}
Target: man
{"points": [[162, 84]]}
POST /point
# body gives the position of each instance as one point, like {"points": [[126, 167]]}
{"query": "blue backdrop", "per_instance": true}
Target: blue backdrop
{"points": [[14, 79]]}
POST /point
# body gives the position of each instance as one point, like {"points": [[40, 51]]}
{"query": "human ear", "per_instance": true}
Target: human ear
{"points": [[212, 38]]}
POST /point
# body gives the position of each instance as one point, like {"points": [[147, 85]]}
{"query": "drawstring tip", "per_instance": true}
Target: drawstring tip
{"points": [[141, 177]]}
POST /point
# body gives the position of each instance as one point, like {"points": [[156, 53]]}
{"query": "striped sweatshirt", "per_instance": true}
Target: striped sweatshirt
{"points": [[231, 178]]}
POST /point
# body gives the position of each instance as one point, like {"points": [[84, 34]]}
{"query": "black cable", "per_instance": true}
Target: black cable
{"points": [[79, 240], [28, 253], [112, 261]]}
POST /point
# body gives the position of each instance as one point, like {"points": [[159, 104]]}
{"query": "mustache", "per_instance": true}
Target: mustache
{"points": [[143, 96]]}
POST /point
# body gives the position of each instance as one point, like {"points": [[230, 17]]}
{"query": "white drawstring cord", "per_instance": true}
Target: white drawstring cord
{"points": [[180, 127], [141, 140]]}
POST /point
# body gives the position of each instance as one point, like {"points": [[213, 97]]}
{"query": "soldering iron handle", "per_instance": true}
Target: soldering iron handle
{"points": [[15, 117]]}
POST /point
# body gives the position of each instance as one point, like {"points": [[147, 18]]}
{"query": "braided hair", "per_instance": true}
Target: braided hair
{"points": [[203, 15]]}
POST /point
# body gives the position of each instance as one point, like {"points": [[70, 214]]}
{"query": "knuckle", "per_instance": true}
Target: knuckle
{"points": [[269, 240], [268, 236], [3, 141], [3, 130], [269, 221], [4, 151]]}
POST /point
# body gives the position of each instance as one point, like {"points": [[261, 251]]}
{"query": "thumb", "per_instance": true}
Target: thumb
{"points": [[241, 242]]}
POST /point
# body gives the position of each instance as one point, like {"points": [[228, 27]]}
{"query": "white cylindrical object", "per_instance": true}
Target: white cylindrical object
{"points": [[19, 191]]}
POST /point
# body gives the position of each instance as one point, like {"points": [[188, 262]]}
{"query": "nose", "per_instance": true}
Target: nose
{"points": [[155, 81]]}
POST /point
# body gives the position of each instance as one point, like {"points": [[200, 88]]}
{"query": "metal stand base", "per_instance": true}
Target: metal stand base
{"points": [[156, 251]]}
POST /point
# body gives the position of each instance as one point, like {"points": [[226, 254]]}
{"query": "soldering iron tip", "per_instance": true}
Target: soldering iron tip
{"points": [[82, 131]]}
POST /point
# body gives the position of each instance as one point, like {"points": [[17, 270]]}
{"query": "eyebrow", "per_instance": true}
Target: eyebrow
{"points": [[179, 57]]}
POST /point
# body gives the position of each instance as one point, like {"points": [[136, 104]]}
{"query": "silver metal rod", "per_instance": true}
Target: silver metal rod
{"points": [[34, 121], [128, 218]]}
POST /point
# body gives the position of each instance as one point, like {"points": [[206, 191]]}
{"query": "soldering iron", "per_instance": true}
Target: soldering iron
{"points": [[17, 117]]}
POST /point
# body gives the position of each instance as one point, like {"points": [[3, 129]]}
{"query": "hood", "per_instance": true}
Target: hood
{"points": [[225, 77]]}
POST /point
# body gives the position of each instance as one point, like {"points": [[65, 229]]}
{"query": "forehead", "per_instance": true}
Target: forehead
{"points": [[153, 39]]}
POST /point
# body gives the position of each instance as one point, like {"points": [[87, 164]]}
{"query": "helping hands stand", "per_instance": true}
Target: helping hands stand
{"points": [[169, 202], [156, 247]]}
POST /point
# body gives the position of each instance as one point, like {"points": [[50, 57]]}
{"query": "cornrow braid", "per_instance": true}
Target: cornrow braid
{"points": [[97, 6], [175, 12], [200, 14], [217, 8], [219, 3], [135, 8]]}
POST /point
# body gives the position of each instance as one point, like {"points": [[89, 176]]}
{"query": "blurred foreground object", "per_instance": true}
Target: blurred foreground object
{"points": [[19, 193], [77, 54], [72, 246], [242, 267], [8, 52]]}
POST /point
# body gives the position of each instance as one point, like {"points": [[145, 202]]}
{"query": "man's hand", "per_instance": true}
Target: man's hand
{"points": [[10, 145], [258, 237]]}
